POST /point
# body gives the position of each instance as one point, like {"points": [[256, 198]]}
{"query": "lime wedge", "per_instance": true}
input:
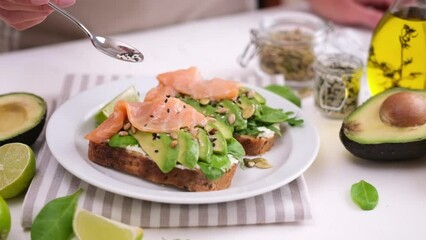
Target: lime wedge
{"points": [[17, 169], [130, 95], [90, 226], [5, 219]]}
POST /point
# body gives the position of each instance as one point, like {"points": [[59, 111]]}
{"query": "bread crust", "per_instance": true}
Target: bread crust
{"points": [[137, 164], [255, 145]]}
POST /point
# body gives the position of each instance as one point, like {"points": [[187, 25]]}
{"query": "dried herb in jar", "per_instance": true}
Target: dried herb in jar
{"points": [[289, 53]]}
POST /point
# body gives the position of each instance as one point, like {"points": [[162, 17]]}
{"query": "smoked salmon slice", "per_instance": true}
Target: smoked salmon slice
{"points": [[163, 115], [189, 82]]}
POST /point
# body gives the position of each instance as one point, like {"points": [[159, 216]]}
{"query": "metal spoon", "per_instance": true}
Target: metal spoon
{"points": [[110, 47]]}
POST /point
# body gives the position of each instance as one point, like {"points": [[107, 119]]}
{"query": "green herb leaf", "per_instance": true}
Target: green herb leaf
{"points": [[54, 221], [235, 148], [210, 171], [285, 92], [272, 115], [364, 195]]}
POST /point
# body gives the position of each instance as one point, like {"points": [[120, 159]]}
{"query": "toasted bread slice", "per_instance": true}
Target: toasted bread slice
{"points": [[255, 145], [137, 164]]}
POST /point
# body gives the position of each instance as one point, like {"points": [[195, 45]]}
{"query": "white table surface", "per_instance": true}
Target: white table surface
{"points": [[213, 46]]}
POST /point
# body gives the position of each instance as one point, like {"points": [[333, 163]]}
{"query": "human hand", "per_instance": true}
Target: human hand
{"points": [[23, 14], [366, 13]]}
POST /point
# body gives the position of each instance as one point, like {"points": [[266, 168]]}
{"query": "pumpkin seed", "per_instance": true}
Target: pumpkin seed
{"points": [[127, 126], [204, 101], [123, 133], [248, 111], [263, 165], [257, 162], [248, 162], [231, 118], [173, 135], [251, 93], [173, 143], [222, 110], [132, 129]]}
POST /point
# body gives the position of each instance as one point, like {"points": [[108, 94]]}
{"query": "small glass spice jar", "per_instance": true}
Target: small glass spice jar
{"points": [[287, 45], [337, 84]]}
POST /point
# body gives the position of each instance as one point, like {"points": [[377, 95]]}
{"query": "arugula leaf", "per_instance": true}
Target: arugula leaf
{"points": [[54, 221], [364, 195]]}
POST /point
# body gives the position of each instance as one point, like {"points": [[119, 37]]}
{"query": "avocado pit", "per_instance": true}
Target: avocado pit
{"points": [[404, 109]]}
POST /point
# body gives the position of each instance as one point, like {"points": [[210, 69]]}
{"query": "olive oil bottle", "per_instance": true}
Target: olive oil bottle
{"points": [[397, 55]]}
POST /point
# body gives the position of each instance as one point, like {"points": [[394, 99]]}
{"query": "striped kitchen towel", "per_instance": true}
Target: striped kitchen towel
{"points": [[287, 204]]}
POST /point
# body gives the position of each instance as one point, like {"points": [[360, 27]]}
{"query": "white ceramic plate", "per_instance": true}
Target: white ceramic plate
{"points": [[291, 156]]}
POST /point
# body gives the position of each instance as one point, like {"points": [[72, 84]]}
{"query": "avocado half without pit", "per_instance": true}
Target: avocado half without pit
{"points": [[387, 127], [22, 117]]}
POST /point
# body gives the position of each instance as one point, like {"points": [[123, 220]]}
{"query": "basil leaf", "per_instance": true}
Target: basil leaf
{"points": [[285, 92], [364, 195], [54, 221]]}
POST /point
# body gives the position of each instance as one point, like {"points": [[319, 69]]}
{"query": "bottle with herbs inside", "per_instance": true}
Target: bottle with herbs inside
{"points": [[337, 84], [397, 55]]}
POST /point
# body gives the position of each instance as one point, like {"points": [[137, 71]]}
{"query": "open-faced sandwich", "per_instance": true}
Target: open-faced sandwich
{"points": [[188, 132], [244, 111], [166, 141]]}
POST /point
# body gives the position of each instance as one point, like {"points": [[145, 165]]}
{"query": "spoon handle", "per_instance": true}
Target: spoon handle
{"points": [[71, 18]]}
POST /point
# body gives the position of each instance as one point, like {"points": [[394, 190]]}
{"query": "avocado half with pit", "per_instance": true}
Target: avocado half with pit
{"points": [[387, 127], [22, 117]]}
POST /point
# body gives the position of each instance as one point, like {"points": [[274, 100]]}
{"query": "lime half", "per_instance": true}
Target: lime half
{"points": [[5, 219], [17, 169], [90, 226], [130, 95]]}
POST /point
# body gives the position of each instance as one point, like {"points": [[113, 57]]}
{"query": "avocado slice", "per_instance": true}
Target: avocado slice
{"points": [[219, 143], [159, 148], [23, 116], [188, 149], [205, 145], [122, 141], [220, 126], [366, 135]]}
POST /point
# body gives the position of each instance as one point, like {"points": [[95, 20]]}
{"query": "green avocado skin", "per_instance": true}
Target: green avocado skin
{"points": [[385, 151]]}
